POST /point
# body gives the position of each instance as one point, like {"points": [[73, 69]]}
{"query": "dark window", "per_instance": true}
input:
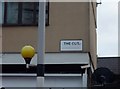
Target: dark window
{"points": [[22, 13], [1, 13]]}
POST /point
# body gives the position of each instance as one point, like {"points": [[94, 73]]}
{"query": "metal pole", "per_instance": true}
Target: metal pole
{"points": [[41, 44]]}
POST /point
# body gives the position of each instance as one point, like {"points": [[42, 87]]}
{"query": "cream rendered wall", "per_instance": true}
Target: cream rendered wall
{"points": [[93, 37], [0, 27], [0, 38], [14, 38], [68, 20]]}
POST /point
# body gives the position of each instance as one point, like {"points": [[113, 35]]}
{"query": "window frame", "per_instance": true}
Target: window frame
{"points": [[19, 20]]}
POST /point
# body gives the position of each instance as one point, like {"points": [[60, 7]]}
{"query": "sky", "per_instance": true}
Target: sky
{"points": [[107, 28]]}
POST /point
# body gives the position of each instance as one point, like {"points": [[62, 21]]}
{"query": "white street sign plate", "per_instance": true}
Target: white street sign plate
{"points": [[71, 45]]}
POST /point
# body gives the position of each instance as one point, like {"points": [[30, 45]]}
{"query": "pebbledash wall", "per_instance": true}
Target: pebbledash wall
{"points": [[67, 21]]}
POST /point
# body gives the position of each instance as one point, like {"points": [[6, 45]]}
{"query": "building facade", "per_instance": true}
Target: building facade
{"points": [[66, 22], [111, 63]]}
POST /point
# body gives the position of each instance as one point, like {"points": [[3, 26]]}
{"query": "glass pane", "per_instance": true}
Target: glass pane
{"points": [[12, 13], [46, 16], [27, 14], [37, 12], [1, 11]]}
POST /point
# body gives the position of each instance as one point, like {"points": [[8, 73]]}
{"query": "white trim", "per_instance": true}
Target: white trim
{"points": [[35, 75], [85, 66], [17, 74], [67, 75], [50, 58]]}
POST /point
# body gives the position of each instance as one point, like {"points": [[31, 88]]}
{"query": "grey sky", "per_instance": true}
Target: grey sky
{"points": [[107, 30]]}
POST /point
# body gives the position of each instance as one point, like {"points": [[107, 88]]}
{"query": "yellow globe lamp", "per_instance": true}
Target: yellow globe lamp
{"points": [[27, 53]]}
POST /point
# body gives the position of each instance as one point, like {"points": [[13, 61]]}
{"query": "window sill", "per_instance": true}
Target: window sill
{"points": [[19, 25]]}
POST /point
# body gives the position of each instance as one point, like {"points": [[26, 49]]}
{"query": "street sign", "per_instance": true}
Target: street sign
{"points": [[71, 45]]}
